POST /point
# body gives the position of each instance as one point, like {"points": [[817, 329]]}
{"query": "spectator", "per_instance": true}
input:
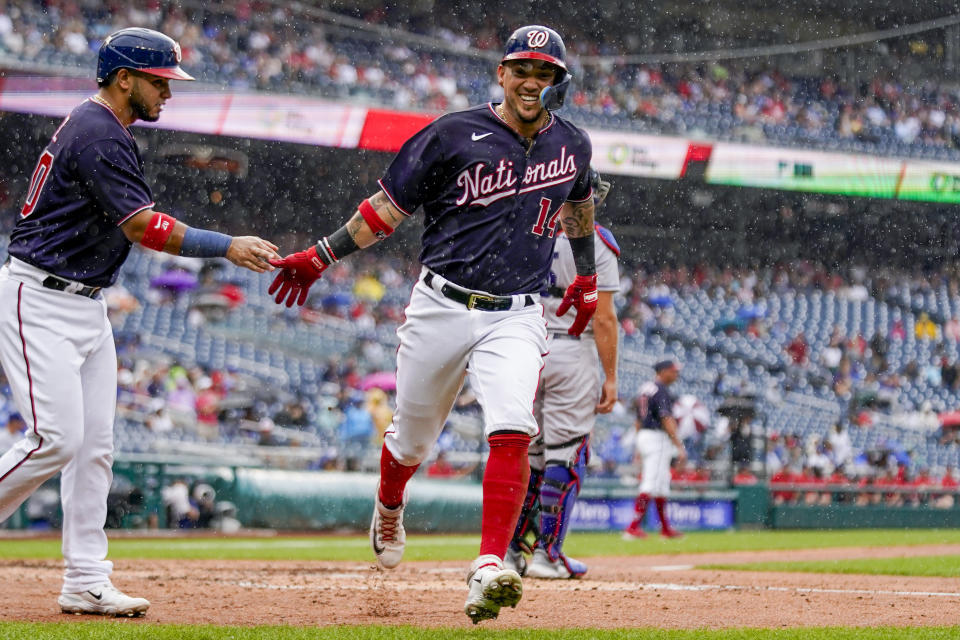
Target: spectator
{"points": [[744, 477], [441, 467], [798, 350], [785, 476], [379, 407], [951, 330], [925, 329], [356, 431], [840, 445], [181, 512], [12, 432]]}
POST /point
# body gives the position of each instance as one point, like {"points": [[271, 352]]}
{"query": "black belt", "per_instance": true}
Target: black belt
{"points": [[563, 336], [474, 300], [55, 283]]}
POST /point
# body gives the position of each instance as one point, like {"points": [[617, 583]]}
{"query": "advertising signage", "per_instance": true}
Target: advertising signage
{"points": [[833, 173]]}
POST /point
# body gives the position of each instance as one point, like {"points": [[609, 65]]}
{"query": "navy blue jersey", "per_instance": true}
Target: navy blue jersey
{"points": [[88, 182], [490, 203], [654, 404]]}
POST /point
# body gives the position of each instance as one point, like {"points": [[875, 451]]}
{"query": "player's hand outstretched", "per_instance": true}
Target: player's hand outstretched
{"points": [[252, 253], [582, 296], [298, 271], [608, 397]]}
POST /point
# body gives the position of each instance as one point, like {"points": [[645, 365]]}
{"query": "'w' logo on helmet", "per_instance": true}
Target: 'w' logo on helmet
{"points": [[537, 39]]}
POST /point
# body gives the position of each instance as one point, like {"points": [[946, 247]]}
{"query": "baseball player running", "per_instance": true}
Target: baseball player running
{"points": [[657, 441], [568, 398], [87, 203], [492, 181]]}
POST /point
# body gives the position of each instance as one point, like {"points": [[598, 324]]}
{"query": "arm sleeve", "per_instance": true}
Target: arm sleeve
{"points": [[582, 189], [416, 171], [111, 172]]}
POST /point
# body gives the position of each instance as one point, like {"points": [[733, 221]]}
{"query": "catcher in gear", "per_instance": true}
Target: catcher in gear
{"points": [[495, 183], [570, 394]]}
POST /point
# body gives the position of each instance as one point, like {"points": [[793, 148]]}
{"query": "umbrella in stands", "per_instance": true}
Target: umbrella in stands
{"points": [[692, 416], [950, 419], [386, 380], [175, 280]]}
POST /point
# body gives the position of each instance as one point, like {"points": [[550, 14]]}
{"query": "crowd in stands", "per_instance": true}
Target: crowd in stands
{"points": [[342, 423], [346, 418], [250, 45]]}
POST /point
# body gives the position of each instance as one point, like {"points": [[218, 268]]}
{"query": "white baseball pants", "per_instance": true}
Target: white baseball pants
{"points": [[441, 342], [655, 448], [58, 353]]}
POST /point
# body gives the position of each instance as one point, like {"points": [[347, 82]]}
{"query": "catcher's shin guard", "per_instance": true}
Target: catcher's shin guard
{"points": [[529, 512], [558, 493]]}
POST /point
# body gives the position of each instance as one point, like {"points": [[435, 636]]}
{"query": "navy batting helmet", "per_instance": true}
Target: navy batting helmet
{"points": [[536, 42], [143, 50]]}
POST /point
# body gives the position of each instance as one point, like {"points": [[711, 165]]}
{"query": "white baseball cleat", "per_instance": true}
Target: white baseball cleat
{"points": [[104, 599], [560, 569], [491, 587], [386, 532]]}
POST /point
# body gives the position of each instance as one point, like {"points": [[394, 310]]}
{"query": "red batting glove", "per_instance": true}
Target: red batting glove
{"points": [[299, 271], [582, 295]]}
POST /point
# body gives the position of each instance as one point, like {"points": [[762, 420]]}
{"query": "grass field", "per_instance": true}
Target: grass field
{"points": [[931, 566], [355, 549], [458, 547]]}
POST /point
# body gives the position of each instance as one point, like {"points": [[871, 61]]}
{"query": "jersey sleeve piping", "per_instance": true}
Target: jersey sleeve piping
{"points": [[135, 212], [392, 199]]}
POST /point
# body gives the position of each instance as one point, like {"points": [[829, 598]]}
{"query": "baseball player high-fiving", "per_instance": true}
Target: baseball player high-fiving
{"points": [[492, 181], [87, 203]]}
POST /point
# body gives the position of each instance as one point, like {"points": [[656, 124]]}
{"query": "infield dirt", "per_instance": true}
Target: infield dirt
{"points": [[639, 591]]}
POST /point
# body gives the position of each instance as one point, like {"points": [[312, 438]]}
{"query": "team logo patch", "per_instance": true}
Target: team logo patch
{"points": [[537, 39], [177, 52]]}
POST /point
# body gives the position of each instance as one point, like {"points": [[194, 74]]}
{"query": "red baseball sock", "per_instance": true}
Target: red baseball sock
{"points": [[393, 479], [661, 503], [504, 488], [640, 506]]}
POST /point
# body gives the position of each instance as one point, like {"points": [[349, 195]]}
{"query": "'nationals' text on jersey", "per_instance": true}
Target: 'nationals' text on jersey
{"points": [[490, 203]]}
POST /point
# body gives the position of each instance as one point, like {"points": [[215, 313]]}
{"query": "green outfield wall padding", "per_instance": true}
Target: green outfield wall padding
{"points": [[865, 517], [334, 500], [752, 507]]}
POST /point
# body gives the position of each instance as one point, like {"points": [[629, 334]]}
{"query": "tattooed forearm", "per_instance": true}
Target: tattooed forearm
{"points": [[354, 225], [385, 208], [360, 230], [577, 219]]}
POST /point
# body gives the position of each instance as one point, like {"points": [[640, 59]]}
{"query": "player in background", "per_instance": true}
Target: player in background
{"points": [[657, 442], [570, 395], [492, 181], [88, 202]]}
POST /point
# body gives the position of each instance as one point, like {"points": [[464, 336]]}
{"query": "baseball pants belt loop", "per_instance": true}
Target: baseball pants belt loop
{"points": [[473, 299], [563, 336]]}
